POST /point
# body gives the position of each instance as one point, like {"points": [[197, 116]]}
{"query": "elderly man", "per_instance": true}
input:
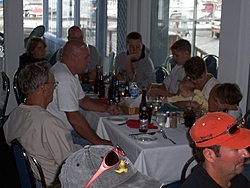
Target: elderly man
{"points": [[75, 33], [221, 147], [135, 61], [69, 96], [43, 135]]}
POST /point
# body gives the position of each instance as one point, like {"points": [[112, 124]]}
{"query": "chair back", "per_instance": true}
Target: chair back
{"points": [[111, 61], [4, 96], [177, 184], [38, 31], [25, 172], [53, 59], [246, 120], [212, 62], [20, 97], [169, 64], [160, 73]]}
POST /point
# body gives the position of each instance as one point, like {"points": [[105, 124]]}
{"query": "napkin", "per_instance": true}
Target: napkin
{"points": [[171, 108], [135, 124], [87, 88]]}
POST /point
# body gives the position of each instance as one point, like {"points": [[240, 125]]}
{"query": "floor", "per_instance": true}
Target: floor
{"points": [[8, 171]]}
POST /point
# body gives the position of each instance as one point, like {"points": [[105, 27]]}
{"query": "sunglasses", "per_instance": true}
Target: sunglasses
{"points": [[231, 130], [111, 159]]}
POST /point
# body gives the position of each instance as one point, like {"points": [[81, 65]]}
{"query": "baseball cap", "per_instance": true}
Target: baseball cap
{"points": [[219, 128], [81, 166]]}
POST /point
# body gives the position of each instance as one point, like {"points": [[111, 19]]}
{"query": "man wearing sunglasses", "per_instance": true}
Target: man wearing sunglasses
{"points": [[221, 147]]}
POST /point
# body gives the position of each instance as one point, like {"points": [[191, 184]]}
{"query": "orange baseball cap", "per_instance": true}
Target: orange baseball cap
{"points": [[219, 128]]}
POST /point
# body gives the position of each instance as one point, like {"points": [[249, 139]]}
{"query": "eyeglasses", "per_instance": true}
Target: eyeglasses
{"points": [[231, 130], [111, 159], [54, 83]]}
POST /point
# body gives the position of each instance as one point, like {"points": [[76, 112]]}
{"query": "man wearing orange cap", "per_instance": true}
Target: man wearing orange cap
{"points": [[221, 147]]}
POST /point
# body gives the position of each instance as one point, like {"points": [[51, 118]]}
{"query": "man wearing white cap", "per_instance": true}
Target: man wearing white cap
{"points": [[221, 147]]}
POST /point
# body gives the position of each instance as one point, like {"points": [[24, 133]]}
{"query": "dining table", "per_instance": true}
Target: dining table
{"points": [[152, 155]]}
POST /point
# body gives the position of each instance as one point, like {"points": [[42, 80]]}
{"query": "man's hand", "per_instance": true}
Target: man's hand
{"points": [[113, 110], [104, 142], [133, 57]]}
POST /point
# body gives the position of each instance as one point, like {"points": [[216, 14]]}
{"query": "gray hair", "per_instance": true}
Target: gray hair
{"points": [[33, 76]]}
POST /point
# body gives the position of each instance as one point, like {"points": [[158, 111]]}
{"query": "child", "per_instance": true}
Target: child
{"points": [[189, 93], [227, 97]]}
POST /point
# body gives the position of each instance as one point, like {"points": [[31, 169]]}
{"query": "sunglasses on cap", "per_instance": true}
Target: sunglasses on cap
{"points": [[231, 131], [111, 159]]}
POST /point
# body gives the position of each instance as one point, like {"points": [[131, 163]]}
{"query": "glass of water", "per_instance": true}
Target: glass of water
{"points": [[161, 119]]}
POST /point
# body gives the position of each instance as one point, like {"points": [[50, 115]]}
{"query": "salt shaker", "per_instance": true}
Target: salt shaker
{"points": [[167, 124]]}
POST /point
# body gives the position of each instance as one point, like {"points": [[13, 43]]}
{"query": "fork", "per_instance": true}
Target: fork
{"points": [[165, 136]]}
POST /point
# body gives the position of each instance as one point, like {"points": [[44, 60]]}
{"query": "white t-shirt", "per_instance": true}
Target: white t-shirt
{"points": [[172, 81], [67, 94]]}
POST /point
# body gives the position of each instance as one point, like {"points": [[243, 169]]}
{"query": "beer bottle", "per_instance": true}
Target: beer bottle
{"points": [[143, 99], [116, 92], [111, 91], [96, 83], [126, 92], [101, 88], [143, 126], [143, 115]]}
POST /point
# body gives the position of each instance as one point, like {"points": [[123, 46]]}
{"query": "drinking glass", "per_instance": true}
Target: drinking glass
{"points": [[161, 119]]}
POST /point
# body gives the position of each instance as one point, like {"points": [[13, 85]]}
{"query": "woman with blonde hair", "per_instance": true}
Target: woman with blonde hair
{"points": [[35, 52]]}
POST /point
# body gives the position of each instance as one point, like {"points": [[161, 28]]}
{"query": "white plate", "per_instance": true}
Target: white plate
{"points": [[145, 138], [117, 119]]}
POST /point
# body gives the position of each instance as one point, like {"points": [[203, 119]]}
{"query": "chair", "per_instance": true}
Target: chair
{"points": [[38, 32], [20, 97], [4, 96], [111, 61], [52, 59], [211, 64], [169, 64], [246, 120], [160, 73], [183, 173], [25, 172]]}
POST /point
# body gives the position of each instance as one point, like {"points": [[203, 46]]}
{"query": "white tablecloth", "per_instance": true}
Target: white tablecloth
{"points": [[160, 159]]}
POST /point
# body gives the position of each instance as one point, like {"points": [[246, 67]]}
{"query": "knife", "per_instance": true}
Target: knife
{"points": [[151, 133]]}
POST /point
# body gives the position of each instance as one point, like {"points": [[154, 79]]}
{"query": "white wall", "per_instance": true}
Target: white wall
{"points": [[235, 45], [13, 42]]}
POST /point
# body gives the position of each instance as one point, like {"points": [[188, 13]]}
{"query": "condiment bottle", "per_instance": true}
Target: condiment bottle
{"points": [[173, 123], [167, 124]]}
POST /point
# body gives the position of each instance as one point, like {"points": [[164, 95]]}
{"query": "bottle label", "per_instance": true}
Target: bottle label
{"points": [[143, 124], [133, 91]]}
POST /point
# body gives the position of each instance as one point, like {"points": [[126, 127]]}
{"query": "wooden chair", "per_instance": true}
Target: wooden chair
{"points": [[4, 95], [25, 172]]}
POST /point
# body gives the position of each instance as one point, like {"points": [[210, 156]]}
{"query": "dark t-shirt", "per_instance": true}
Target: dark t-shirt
{"points": [[199, 178]]}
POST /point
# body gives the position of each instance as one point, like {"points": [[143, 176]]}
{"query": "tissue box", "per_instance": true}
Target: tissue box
{"points": [[129, 110]]}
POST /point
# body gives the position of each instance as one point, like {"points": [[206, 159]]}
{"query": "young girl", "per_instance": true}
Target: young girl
{"points": [[227, 97]]}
